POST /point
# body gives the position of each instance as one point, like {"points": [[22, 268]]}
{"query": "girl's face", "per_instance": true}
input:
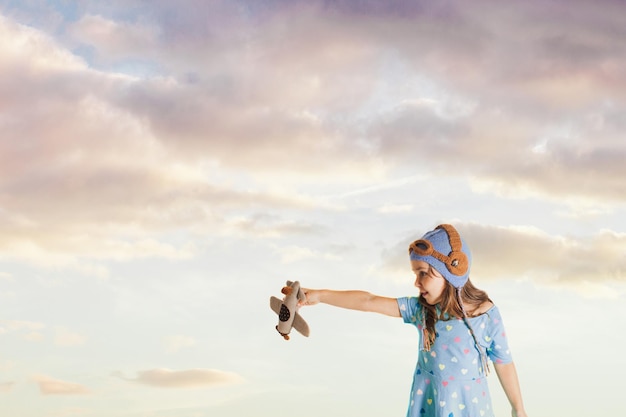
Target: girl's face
{"points": [[428, 281]]}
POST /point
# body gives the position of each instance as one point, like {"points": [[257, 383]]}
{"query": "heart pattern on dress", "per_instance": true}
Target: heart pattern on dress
{"points": [[448, 377]]}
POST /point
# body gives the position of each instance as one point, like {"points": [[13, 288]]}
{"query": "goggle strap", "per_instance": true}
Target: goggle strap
{"points": [[453, 237]]}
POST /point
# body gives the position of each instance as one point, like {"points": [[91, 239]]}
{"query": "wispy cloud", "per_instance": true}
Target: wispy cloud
{"points": [[51, 386], [395, 208], [7, 326], [6, 386], [191, 378], [295, 253]]}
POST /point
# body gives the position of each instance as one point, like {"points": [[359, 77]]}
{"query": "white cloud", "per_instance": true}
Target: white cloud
{"points": [[22, 47]]}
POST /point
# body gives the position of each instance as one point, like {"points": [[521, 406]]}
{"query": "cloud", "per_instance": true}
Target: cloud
{"points": [[523, 252], [395, 208], [527, 251], [192, 378], [6, 365], [306, 94], [115, 40], [31, 331], [65, 337], [33, 337], [103, 162], [178, 342], [6, 386], [485, 119], [7, 326], [499, 152], [90, 158], [51, 386], [267, 225], [290, 254]]}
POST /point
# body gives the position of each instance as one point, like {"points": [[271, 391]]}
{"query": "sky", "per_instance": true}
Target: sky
{"points": [[166, 166]]}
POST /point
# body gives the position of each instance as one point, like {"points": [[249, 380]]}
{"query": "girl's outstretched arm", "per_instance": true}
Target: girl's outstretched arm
{"points": [[353, 300], [507, 374]]}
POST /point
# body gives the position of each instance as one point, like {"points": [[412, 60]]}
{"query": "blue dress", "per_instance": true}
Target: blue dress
{"points": [[449, 380]]}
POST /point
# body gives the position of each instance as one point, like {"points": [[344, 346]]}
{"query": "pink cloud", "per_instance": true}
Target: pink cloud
{"points": [[191, 378], [51, 386]]}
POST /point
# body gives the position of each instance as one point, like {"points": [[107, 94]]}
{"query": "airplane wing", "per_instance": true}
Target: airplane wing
{"points": [[275, 304], [300, 325]]}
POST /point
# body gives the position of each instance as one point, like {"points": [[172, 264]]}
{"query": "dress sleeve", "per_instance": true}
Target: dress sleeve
{"points": [[411, 310], [498, 347]]}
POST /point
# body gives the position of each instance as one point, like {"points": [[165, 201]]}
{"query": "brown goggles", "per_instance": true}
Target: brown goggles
{"points": [[456, 261]]}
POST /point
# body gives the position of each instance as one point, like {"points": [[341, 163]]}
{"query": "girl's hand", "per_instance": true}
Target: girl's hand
{"points": [[312, 297], [520, 413]]}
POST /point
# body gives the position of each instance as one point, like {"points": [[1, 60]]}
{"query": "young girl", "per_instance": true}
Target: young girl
{"points": [[459, 328]]}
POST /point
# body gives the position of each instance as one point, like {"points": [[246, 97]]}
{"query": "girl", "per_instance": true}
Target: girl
{"points": [[459, 328]]}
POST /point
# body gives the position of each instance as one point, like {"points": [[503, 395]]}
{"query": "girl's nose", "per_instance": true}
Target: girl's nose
{"points": [[417, 283]]}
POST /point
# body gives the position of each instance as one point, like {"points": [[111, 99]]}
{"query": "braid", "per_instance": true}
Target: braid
{"points": [[428, 330], [483, 356]]}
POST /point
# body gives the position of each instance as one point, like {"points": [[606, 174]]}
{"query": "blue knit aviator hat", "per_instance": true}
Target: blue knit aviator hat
{"points": [[444, 250]]}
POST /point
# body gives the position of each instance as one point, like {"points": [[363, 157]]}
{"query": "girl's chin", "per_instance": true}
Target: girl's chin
{"points": [[428, 300]]}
